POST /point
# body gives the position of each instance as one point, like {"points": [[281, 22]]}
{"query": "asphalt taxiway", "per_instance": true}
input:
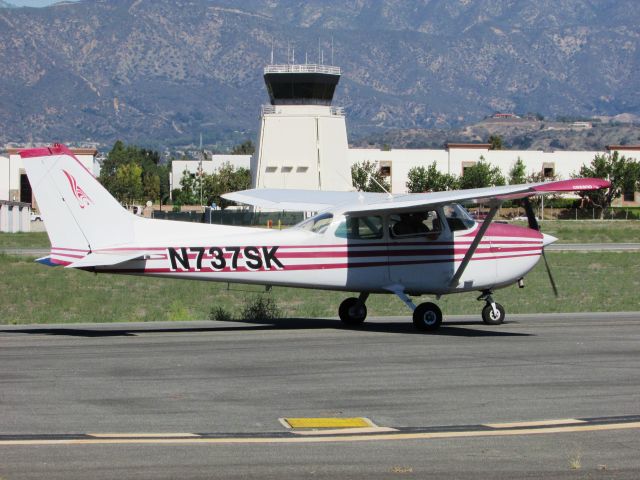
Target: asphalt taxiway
{"points": [[554, 395]]}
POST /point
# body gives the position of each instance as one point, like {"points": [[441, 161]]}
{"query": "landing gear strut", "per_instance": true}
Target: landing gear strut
{"points": [[493, 312], [353, 311]]}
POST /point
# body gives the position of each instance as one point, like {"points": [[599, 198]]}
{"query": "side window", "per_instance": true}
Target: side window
{"points": [[415, 223], [360, 228]]}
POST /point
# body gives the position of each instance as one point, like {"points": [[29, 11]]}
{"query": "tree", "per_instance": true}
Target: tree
{"points": [[189, 191], [245, 148], [482, 174], [226, 179], [517, 174], [430, 179], [151, 186], [620, 171], [128, 182], [364, 176], [496, 142], [154, 178]]}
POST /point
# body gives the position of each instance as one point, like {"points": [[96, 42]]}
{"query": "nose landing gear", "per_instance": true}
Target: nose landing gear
{"points": [[493, 312]]}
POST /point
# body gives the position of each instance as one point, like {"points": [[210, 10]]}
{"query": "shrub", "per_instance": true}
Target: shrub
{"points": [[261, 308], [220, 314]]}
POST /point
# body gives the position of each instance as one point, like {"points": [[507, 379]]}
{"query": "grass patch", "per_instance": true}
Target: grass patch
{"points": [[588, 231], [24, 240], [32, 293]]}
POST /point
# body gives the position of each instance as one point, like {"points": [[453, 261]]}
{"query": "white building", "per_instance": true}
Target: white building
{"points": [[179, 167], [5, 174]]}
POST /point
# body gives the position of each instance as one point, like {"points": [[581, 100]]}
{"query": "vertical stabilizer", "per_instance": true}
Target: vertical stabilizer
{"points": [[79, 213]]}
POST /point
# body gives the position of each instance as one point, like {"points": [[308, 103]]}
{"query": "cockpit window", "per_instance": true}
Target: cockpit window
{"points": [[317, 224], [457, 217], [360, 228]]}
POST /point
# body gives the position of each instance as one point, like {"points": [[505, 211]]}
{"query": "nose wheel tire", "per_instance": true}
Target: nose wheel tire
{"points": [[352, 311], [427, 317], [490, 317]]}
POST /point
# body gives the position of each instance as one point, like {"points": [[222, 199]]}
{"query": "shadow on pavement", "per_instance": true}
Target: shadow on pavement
{"points": [[454, 329]]}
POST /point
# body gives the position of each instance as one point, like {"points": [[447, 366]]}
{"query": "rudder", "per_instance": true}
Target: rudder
{"points": [[79, 213]]}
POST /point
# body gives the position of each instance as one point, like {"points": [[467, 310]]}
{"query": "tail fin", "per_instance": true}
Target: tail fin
{"points": [[79, 213]]}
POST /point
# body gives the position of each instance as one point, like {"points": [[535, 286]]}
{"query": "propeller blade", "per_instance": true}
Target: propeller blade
{"points": [[553, 283], [531, 216]]}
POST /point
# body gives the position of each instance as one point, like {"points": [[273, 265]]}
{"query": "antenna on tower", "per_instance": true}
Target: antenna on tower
{"points": [[332, 50], [271, 50], [293, 55]]}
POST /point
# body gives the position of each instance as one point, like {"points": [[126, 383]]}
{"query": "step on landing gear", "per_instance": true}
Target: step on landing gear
{"points": [[493, 312]]}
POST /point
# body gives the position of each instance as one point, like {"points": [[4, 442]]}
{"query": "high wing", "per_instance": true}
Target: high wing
{"points": [[360, 202], [301, 200]]}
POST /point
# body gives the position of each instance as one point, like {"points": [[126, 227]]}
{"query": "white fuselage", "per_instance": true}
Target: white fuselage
{"points": [[327, 260]]}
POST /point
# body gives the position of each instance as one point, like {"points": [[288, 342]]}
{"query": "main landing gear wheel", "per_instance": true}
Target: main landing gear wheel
{"points": [[427, 317], [352, 311], [490, 317]]}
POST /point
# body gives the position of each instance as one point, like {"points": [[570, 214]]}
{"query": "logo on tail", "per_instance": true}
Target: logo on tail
{"points": [[83, 198]]}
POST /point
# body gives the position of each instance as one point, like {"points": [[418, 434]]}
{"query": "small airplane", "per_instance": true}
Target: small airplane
{"points": [[407, 245]]}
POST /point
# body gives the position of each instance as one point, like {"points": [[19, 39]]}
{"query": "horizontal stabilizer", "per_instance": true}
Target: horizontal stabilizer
{"points": [[47, 261], [105, 259]]}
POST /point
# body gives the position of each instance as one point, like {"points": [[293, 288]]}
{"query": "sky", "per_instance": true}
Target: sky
{"points": [[32, 3]]}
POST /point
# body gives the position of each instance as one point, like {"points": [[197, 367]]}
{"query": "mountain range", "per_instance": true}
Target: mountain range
{"points": [[165, 71]]}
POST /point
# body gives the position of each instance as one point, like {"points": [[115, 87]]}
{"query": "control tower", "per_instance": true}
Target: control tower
{"points": [[303, 138]]}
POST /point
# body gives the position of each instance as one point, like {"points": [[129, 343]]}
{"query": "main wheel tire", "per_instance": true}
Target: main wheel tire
{"points": [[427, 317], [490, 318], [352, 311]]}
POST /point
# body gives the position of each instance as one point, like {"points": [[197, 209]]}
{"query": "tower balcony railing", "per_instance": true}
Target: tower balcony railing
{"points": [[275, 109], [302, 68]]}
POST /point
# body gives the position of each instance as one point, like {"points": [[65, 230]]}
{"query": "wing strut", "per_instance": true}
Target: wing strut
{"points": [[474, 244]]}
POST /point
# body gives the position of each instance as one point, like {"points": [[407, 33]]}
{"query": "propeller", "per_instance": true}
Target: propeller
{"points": [[533, 224]]}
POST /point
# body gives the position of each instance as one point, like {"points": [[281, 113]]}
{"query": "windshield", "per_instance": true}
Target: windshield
{"points": [[317, 224], [457, 217]]}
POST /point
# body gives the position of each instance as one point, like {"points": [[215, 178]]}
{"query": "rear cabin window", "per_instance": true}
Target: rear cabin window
{"points": [[360, 228], [415, 224]]}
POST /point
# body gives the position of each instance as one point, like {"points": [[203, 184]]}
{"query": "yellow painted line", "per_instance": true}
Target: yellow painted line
{"points": [[355, 422], [142, 435], [345, 431], [325, 439], [539, 423]]}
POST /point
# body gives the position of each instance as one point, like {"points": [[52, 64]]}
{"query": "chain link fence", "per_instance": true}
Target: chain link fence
{"points": [[235, 217]]}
